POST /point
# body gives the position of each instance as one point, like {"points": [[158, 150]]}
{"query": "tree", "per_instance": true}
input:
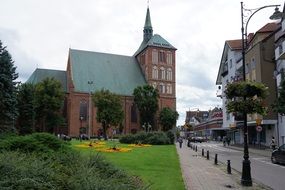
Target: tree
{"points": [[8, 87], [167, 118], [146, 99], [49, 98], [109, 109], [26, 107], [279, 105], [246, 97]]}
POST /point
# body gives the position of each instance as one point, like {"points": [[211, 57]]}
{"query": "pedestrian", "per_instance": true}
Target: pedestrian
{"points": [[224, 140], [273, 143], [228, 140], [180, 140]]}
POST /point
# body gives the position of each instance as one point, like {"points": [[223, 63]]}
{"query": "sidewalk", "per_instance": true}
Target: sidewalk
{"points": [[202, 174]]}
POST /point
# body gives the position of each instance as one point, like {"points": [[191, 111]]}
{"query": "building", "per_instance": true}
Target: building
{"points": [[153, 63], [259, 67], [279, 74]]}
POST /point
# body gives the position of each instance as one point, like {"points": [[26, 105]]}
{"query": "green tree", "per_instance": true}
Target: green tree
{"points": [[146, 99], [167, 118], [109, 109], [49, 98], [26, 107], [279, 105], [8, 88]]}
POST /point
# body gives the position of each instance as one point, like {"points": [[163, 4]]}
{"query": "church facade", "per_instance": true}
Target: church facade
{"points": [[153, 63]]}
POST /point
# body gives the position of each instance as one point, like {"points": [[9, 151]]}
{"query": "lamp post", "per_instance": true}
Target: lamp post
{"points": [[246, 174], [90, 110]]}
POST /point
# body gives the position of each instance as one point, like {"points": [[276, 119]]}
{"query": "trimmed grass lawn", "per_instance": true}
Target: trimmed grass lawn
{"points": [[157, 165]]}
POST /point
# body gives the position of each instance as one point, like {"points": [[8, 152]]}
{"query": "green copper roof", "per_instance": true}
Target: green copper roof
{"points": [[147, 23], [40, 74], [156, 41], [117, 73]]}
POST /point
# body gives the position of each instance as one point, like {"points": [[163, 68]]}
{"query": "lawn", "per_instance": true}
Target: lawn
{"points": [[157, 165]]}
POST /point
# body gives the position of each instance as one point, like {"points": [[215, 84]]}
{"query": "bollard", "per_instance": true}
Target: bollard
{"points": [[202, 151], [208, 157], [229, 169], [196, 149], [216, 159]]}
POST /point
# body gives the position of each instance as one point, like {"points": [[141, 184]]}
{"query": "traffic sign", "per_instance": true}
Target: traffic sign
{"points": [[258, 128]]}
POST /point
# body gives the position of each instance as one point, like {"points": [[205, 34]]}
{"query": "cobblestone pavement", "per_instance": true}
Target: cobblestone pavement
{"points": [[202, 174]]}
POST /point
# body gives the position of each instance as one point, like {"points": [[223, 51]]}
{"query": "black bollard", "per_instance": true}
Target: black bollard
{"points": [[196, 149], [202, 151], [216, 159], [229, 169], [208, 157]]}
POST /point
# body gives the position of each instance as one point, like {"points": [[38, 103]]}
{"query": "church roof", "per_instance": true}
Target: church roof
{"points": [[117, 73], [155, 41], [40, 74]]}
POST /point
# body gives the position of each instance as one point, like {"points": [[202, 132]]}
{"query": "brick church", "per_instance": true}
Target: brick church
{"points": [[87, 71]]}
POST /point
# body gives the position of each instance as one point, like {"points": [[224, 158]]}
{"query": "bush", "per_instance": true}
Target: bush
{"points": [[171, 136], [36, 142], [154, 138], [67, 170]]}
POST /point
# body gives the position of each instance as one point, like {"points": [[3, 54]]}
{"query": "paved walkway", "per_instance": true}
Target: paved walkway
{"points": [[202, 174]]}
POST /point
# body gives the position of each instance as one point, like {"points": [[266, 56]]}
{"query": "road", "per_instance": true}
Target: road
{"points": [[262, 170]]}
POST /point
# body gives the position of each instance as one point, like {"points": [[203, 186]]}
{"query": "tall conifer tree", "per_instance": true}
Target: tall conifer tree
{"points": [[8, 100]]}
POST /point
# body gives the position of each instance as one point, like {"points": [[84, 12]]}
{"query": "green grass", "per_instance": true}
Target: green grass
{"points": [[157, 165]]}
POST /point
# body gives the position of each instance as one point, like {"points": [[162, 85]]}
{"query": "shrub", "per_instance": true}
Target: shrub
{"points": [[171, 136], [37, 142], [155, 138]]}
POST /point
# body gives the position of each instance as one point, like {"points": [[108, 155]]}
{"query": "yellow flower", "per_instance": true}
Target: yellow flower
{"points": [[114, 149], [139, 145]]}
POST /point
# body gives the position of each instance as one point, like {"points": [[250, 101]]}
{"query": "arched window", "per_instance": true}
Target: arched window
{"points": [[134, 117], [169, 89], [83, 110], [169, 74], [162, 70], [155, 72], [154, 56], [162, 88]]}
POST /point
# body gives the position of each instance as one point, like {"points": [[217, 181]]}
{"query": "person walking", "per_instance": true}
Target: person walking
{"points": [[228, 140], [180, 140], [273, 143]]}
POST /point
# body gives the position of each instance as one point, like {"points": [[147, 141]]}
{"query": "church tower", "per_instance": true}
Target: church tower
{"points": [[156, 57]]}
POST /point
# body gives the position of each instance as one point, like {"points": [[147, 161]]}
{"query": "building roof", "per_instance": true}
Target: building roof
{"points": [[155, 41], [235, 44], [40, 74], [269, 27], [117, 73]]}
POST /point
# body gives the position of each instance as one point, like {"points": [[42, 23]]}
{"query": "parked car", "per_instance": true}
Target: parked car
{"points": [[65, 137], [84, 137], [278, 155], [197, 139]]}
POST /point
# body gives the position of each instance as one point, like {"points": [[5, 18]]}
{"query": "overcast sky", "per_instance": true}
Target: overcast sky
{"points": [[38, 34]]}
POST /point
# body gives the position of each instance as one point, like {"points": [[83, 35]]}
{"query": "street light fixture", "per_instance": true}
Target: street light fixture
{"points": [[246, 174]]}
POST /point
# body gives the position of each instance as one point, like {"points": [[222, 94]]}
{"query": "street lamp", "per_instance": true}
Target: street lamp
{"points": [[246, 175], [90, 114]]}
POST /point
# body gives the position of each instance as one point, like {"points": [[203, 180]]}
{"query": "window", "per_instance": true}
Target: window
{"points": [[146, 72], [247, 67], [162, 88], [162, 70], [280, 48], [169, 58], [169, 89], [83, 110], [154, 72], [134, 117], [169, 74], [154, 85], [161, 56], [253, 63], [231, 63], [154, 56]]}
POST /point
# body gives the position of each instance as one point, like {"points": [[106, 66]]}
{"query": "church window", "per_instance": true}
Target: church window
{"points": [[162, 70], [134, 117], [155, 72], [162, 88], [169, 74], [146, 72], [169, 89], [161, 56], [169, 58], [83, 110], [154, 56]]}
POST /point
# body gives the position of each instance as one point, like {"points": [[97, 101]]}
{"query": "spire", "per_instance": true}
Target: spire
{"points": [[147, 32]]}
